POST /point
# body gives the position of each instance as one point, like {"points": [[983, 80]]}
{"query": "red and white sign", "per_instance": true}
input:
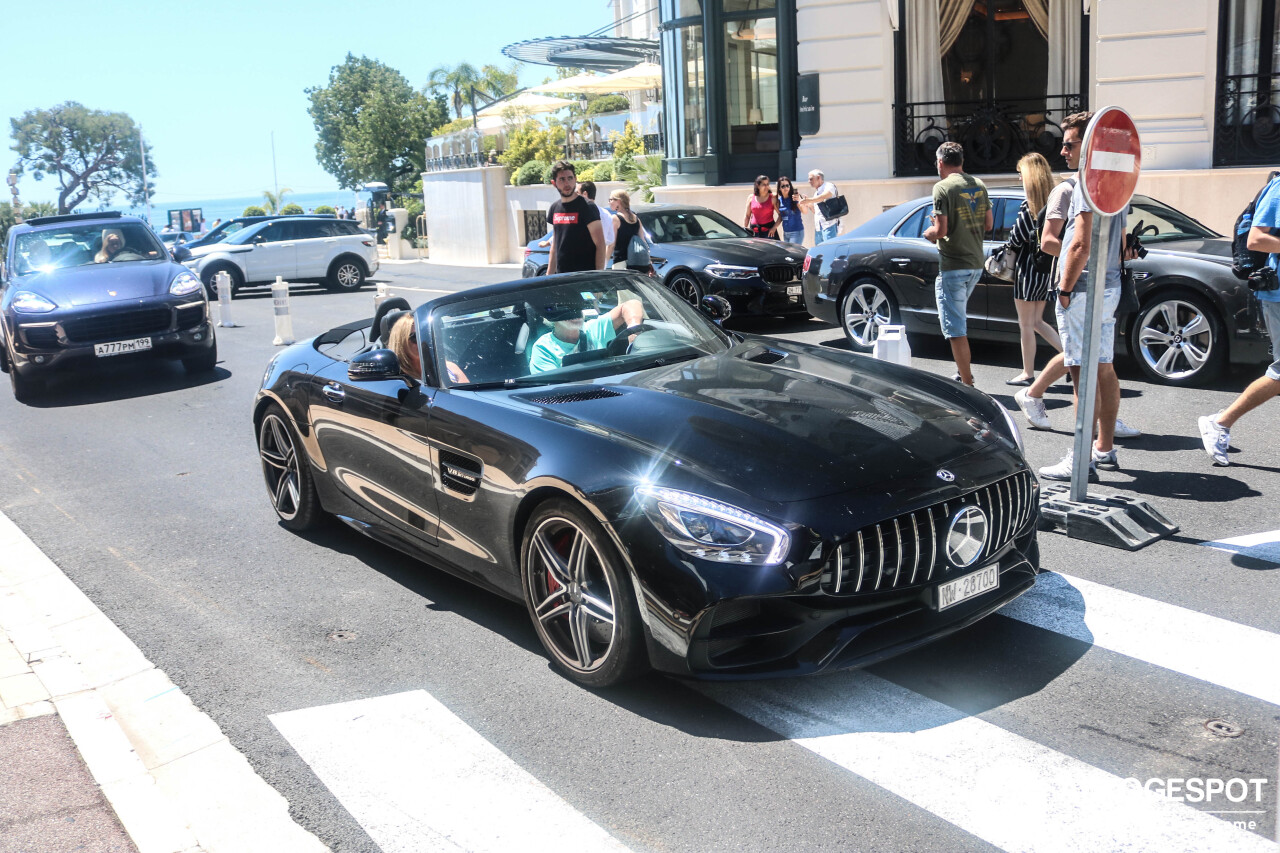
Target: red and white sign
{"points": [[564, 219], [1110, 161]]}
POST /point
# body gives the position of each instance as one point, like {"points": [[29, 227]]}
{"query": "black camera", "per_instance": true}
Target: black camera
{"points": [[1133, 245], [1264, 278]]}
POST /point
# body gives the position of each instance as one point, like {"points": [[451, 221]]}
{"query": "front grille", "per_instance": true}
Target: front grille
{"points": [[44, 337], [190, 316], [119, 325], [573, 396], [908, 550], [779, 273]]}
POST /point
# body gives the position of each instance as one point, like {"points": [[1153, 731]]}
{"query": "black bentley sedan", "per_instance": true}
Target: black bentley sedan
{"points": [[1195, 316], [658, 492], [87, 287], [697, 251]]}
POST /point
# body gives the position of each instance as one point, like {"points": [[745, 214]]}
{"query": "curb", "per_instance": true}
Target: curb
{"points": [[174, 780]]}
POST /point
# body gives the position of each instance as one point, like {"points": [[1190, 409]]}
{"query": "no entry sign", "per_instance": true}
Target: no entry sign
{"points": [[1110, 161]]}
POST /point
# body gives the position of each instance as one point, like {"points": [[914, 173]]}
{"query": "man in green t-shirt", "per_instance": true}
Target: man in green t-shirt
{"points": [[961, 216], [571, 333]]}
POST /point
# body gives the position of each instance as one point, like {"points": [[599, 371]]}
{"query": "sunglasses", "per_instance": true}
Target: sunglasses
{"points": [[1069, 145], [784, 185], [413, 337]]}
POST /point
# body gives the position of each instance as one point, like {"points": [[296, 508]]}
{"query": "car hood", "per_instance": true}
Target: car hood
{"points": [[96, 284], [1217, 249], [745, 251], [801, 428]]}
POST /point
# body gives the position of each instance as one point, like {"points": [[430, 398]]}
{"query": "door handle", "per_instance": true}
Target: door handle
{"points": [[286, 245], [333, 391], [902, 262]]}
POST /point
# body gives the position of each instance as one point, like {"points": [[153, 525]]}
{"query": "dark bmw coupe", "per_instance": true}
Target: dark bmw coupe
{"points": [[658, 492], [697, 251], [1195, 316], [81, 288]]}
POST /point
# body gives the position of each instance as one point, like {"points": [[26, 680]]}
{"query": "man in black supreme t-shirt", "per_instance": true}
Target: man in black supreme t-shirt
{"points": [[577, 237]]}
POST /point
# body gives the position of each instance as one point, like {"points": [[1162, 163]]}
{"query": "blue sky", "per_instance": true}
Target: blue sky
{"points": [[210, 81]]}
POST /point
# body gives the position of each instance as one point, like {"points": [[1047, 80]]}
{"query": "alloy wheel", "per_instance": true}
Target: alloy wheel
{"points": [[865, 309], [280, 466], [687, 289], [348, 275], [1176, 340], [572, 595]]}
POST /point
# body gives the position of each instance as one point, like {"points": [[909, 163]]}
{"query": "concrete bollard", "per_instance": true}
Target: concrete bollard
{"points": [[891, 345], [223, 282], [284, 322], [381, 292]]}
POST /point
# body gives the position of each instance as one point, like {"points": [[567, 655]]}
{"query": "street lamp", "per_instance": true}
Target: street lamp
{"points": [[12, 180]]}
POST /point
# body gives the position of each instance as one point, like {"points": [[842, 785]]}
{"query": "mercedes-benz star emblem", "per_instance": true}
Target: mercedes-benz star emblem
{"points": [[966, 536], [946, 476]]}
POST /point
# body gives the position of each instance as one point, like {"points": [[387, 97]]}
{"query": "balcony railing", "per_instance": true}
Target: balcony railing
{"points": [[995, 134], [1247, 129]]}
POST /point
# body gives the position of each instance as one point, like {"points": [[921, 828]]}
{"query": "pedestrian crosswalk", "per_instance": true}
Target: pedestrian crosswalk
{"points": [[416, 776]]}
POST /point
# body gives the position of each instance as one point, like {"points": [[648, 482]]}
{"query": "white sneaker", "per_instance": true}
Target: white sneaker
{"points": [[1109, 460], [1033, 409], [1123, 430], [1062, 470], [1216, 439]]}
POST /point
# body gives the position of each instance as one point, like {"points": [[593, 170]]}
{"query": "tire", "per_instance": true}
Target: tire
{"points": [[687, 287], [1178, 339], [210, 283], [574, 584], [204, 362], [865, 306], [287, 472], [25, 389], [345, 275]]}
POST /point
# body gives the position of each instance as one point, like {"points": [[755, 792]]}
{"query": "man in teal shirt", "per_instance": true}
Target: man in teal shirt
{"points": [[571, 333]]}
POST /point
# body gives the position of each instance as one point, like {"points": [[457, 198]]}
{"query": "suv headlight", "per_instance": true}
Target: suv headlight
{"points": [[26, 302], [730, 271], [710, 530], [184, 283]]}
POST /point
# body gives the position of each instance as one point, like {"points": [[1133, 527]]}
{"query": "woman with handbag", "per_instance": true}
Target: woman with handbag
{"points": [[1033, 272]]}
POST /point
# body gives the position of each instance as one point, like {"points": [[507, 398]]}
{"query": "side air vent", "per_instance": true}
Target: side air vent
{"points": [[764, 355], [460, 473], [573, 396]]}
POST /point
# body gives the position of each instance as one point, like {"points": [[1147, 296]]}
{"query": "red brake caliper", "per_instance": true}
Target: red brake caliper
{"points": [[554, 585]]}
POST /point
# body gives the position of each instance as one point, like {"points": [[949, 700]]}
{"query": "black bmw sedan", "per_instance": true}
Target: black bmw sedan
{"points": [[1195, 316], [89, 287], [658, 492], [697, 251]]}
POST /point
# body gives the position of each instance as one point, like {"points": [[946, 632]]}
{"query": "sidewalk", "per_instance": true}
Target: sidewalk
{"points": [[100, 750]]}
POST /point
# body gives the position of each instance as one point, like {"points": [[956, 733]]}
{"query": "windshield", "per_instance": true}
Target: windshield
{"points": [[681, 226], [568, 332], [1160, 223], [79, 245]]}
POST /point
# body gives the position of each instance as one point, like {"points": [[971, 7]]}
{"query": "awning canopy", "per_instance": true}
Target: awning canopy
{"points": [[637, 78], [593, 53], [569, 84], [529, 102]]}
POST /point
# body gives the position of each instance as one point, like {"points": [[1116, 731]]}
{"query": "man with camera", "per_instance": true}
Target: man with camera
{"points": [[1215, 430]]}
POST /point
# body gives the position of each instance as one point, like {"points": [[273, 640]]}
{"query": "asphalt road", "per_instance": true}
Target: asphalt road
{"points": [[144, 486]]}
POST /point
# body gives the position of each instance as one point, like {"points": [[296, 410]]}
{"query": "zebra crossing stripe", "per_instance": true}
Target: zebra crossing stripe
{"points": [[418, 778], [998, 786], [1260, 546], [1205, 647]]}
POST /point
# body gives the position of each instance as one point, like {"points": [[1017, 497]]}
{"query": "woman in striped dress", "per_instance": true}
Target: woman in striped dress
{"points": [[1033, 273]]}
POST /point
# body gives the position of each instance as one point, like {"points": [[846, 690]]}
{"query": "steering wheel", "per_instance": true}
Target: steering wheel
{"points": [[622, 342]]}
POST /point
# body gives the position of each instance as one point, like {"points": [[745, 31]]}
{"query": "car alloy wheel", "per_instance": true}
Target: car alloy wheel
{"points": [[687, 288], [210, 278], [347, 275], [577, 597], [865, 307], [289, 484], [1178, 340]]}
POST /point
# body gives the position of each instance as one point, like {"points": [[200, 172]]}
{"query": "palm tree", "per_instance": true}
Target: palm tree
{"points": [[458, 79], [272, 202], [497, 82]]}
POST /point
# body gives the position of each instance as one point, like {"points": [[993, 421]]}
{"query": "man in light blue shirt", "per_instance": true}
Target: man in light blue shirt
{"points": [[1215, 430], [571, 333]]}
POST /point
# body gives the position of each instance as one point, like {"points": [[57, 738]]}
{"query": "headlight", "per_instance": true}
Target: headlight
{"points": [[184, 283], [1013, 427], [729, 271], [708, 529], [26, 302]]}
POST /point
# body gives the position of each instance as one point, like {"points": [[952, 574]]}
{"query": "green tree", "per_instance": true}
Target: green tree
{"points": [[92, 153], [271, 202], [29, 211], [254, 210], [641, 175], [532, 141], [324, 209], [371, 124], [292, 209], [457, 82]]}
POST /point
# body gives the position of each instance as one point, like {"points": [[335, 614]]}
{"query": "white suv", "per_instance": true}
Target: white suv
{"points": [[297, 248]]}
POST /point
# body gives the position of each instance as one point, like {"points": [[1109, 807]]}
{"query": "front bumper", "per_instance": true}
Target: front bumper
{"points": [[754, 296]]}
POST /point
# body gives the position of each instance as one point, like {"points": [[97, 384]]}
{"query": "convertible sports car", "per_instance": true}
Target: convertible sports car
{"points": [[658, 492], [1194, 317], [85, 287]]}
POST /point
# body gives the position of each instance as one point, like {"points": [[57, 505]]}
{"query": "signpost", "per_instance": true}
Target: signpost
{"points": [[1110, 162]]}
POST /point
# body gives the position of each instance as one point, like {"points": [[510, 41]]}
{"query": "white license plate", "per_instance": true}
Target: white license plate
{"points": [[122, 347], [975, 583], [794, 289]]}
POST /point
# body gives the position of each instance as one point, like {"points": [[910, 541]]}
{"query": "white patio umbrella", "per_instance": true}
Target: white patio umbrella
{"points": [[571, 85], [527, 101], [637, 78]]}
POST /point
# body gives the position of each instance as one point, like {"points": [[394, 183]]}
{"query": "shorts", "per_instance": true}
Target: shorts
{"points": [[1271, 314], [1072, 320], [952, 289]]}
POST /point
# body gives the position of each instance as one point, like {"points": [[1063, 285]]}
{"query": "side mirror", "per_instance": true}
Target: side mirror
{"points": [[181, 253], [638, 254], [716, 307], [260, 238], [374, 366]]}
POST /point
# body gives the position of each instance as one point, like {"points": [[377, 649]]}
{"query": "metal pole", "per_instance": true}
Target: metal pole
{"points": [[142, 144], [275, 181], [1087, 386]]}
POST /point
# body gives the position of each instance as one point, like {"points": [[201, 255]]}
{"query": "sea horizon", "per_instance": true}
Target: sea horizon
{"points": [[231, 207]]}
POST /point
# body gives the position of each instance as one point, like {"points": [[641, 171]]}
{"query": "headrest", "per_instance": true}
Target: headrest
{"points": [[388, 322], [395, 303]]}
